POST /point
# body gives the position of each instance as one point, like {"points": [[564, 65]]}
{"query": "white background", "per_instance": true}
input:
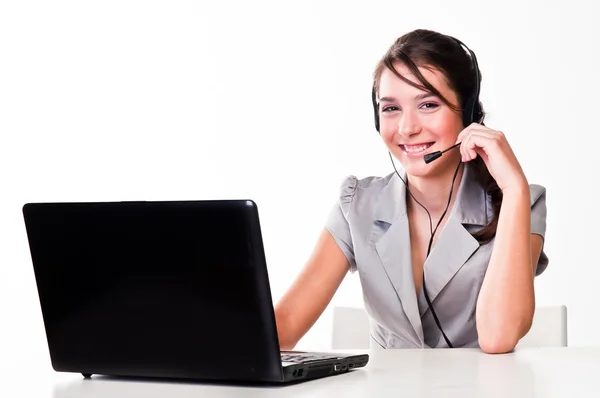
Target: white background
{"points": [[270, 100]]}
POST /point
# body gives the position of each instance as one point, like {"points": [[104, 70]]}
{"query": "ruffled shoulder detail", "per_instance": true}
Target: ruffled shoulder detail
{"points": [[348, 189]]}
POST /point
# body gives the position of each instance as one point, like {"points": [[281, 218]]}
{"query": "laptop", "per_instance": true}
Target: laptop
{"points": [[168, 289]]}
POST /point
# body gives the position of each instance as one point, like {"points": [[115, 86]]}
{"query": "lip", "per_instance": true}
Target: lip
{"points": [[417, 154]]}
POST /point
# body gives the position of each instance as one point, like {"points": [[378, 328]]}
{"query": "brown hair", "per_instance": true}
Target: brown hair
{"points": [[433, 50]]}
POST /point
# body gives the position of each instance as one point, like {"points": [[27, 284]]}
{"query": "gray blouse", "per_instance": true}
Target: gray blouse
{"points": [[370, 225]]}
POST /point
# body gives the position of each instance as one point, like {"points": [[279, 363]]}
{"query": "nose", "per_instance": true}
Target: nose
{"points": [[408, 125]]}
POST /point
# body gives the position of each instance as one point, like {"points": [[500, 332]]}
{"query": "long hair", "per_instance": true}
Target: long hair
{"points": [[433, 50]]}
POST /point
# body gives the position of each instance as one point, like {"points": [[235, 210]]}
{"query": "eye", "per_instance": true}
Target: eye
{"points": [[432, 105], [389, 109]]}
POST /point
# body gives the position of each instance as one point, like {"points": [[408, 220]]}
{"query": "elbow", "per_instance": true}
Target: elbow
{"points": [[501, 341], [497, 344], [500, 335]]}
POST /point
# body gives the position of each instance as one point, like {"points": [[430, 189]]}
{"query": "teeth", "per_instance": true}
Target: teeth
{"points": [[415, 149]]}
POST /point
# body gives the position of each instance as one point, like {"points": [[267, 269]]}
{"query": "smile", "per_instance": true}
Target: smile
{"points": [[416, 150]]}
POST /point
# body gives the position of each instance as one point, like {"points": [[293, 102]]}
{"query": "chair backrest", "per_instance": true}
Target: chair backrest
{"points": [[350, 328], [549, 328]]}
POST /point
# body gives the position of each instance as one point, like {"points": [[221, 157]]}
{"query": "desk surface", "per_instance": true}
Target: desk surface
{"points": [[528, 372]]}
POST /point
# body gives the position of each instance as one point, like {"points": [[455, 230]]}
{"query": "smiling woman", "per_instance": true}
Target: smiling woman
{"points": [[469, 285]]}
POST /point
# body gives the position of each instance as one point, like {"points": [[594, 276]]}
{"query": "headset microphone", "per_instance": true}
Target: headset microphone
{"points": [[430, 157]]}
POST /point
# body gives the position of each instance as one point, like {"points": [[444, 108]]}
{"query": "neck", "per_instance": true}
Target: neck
{"points": [[433, 191]]}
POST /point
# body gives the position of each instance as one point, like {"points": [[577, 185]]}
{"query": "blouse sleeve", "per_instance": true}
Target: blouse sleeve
{"points": [[337, 221], [538, 221]]}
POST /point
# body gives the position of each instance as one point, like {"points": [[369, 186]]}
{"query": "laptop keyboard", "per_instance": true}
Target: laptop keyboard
{"points": [[305, 357]]}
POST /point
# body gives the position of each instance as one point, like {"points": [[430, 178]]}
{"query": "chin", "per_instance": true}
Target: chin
{"points": [[422, 170], [417, 167]]}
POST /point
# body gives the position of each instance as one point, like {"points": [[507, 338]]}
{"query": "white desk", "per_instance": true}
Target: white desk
{"points": [[560, 372]]}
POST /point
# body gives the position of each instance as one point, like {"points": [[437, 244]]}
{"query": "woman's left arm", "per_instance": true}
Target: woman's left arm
{"points": [[506, 302]]}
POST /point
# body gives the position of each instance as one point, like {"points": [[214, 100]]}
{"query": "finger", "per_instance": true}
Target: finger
{"points": [[483, 155], [462, 136], [466, 130], [478, 139], [461, 139], [464, 148]]}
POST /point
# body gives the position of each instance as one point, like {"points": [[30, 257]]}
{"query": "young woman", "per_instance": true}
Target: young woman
{"points": [[472, 283]]}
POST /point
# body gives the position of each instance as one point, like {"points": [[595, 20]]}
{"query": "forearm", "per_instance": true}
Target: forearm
{"points": [[286, 341], [506, 301]]}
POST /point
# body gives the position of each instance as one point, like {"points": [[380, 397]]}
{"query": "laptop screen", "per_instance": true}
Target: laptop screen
{"points": [[165, 286]]}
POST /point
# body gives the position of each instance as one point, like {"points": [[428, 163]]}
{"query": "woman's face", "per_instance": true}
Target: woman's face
{"points": [[414, 122]]}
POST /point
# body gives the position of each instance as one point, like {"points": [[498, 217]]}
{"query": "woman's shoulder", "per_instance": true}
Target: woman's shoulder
{"points": [[537, 192], [352, 186]]}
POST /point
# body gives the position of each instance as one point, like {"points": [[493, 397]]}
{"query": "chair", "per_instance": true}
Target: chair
{"points": [[350, 328], [549, 328]]}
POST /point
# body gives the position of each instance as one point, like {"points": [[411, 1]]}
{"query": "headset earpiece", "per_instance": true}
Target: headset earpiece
{"points": [[468, 113], [375, 108]]}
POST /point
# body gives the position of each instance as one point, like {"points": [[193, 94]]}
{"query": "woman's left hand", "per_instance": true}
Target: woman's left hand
{"points": [[497, 154]]}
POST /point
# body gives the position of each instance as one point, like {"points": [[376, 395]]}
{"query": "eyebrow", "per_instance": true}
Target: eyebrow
{"points": [[418, 97]]}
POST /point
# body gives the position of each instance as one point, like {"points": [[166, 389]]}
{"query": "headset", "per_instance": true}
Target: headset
{"points": [[471, 112]]}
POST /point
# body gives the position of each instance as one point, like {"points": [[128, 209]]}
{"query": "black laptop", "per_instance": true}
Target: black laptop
{"points": [[175, 289]]}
